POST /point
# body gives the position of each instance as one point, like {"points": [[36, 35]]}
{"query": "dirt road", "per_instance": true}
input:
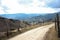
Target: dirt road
{"points": [[34, 34]]}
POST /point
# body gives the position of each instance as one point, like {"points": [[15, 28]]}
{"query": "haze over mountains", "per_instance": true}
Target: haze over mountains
{"points": [[23, 16], [18, 16], [14, 20]]}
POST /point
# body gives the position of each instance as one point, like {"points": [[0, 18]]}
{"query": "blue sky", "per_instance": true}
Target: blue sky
{"points": [[29, 6]]}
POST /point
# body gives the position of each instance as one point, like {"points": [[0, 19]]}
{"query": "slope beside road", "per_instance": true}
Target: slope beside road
{"points": [[34, 34]]}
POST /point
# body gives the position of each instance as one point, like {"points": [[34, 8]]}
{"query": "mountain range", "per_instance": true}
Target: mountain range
{"points": [[18, 16]]}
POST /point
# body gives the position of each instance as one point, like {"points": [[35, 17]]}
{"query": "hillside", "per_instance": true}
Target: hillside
{"points": [[18, 16], [30, 17], [10, 24]]}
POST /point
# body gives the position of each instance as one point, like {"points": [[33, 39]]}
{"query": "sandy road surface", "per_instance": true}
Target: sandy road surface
{"points": [[34, 34]]}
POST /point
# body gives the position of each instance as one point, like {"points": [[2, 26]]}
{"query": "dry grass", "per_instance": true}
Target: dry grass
{"points": [[51, 34], [24, 30], [34, 26]]}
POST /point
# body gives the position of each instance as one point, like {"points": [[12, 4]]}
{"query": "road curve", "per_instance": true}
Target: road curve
{"points": [[34, 34]]}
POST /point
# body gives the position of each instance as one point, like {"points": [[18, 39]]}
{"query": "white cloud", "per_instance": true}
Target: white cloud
{"points": [[25, 2], [34, 6], [1, 11], [33, 10]]}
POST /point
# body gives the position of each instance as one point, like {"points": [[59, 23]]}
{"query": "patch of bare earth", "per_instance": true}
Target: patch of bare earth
{"points": [[51, 34]]}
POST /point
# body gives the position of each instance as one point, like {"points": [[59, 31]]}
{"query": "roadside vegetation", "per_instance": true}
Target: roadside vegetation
{"points": [[51, 34], [11, 28]]}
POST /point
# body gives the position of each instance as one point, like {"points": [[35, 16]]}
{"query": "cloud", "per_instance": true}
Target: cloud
{"points": [[53, 3], [25, 2], [3, 8], [26, 6], [1, 11]]}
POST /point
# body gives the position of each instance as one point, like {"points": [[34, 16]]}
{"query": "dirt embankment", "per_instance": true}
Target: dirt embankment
{"points": [[51, 34]]}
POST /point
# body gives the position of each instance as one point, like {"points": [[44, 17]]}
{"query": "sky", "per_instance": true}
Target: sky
{"points": [[29, 6]]}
